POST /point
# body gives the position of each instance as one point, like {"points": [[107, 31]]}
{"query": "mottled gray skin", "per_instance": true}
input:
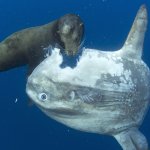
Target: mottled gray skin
{"points": [[106, 93], [26, 46]]}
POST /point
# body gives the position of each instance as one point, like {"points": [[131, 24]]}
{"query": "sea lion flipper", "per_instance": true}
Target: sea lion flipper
{"points": [[134, 44]]}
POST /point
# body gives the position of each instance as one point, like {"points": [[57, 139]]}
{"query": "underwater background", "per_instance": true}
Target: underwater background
{"points": [[107, 23]]}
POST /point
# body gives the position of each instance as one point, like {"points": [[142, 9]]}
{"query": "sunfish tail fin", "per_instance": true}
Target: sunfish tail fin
{"points": [[133, 46]]}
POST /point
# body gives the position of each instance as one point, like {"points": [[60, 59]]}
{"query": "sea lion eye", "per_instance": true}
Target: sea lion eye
{"points": [[43, 96]]}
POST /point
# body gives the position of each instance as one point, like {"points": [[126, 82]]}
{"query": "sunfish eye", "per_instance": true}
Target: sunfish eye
{"points": [[42, 96]]}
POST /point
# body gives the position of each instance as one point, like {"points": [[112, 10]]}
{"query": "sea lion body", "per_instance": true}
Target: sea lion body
{"points": [[26, 46]]}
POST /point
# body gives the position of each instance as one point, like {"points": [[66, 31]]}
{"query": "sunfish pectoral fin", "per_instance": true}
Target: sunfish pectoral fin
{"points": [[132, 139], [134, 43]]}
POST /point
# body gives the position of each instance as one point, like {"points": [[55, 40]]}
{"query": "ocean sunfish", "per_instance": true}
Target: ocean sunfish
{"points": [[106, 93]]}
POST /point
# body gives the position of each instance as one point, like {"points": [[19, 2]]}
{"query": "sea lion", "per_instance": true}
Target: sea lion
{"points": [[26, 46], [108, 92]]}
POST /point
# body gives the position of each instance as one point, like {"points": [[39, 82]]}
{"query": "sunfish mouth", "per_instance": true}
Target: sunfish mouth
{"points": [[63, 112], [66, 111]]}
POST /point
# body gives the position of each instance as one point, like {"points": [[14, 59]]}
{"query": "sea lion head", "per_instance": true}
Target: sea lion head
{"points": [[71, 31]]}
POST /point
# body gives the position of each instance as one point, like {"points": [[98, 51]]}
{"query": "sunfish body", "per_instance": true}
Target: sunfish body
{"points": [[106, 93]]}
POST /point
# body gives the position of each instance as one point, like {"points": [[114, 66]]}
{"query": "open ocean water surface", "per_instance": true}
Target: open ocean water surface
{"points": [[107, 24]]}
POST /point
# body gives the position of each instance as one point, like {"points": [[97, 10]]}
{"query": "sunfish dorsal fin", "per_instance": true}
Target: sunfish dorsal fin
{"points": [[133, 46]]}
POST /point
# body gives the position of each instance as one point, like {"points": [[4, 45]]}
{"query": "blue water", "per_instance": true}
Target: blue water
{"points": [[107, 24]]}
